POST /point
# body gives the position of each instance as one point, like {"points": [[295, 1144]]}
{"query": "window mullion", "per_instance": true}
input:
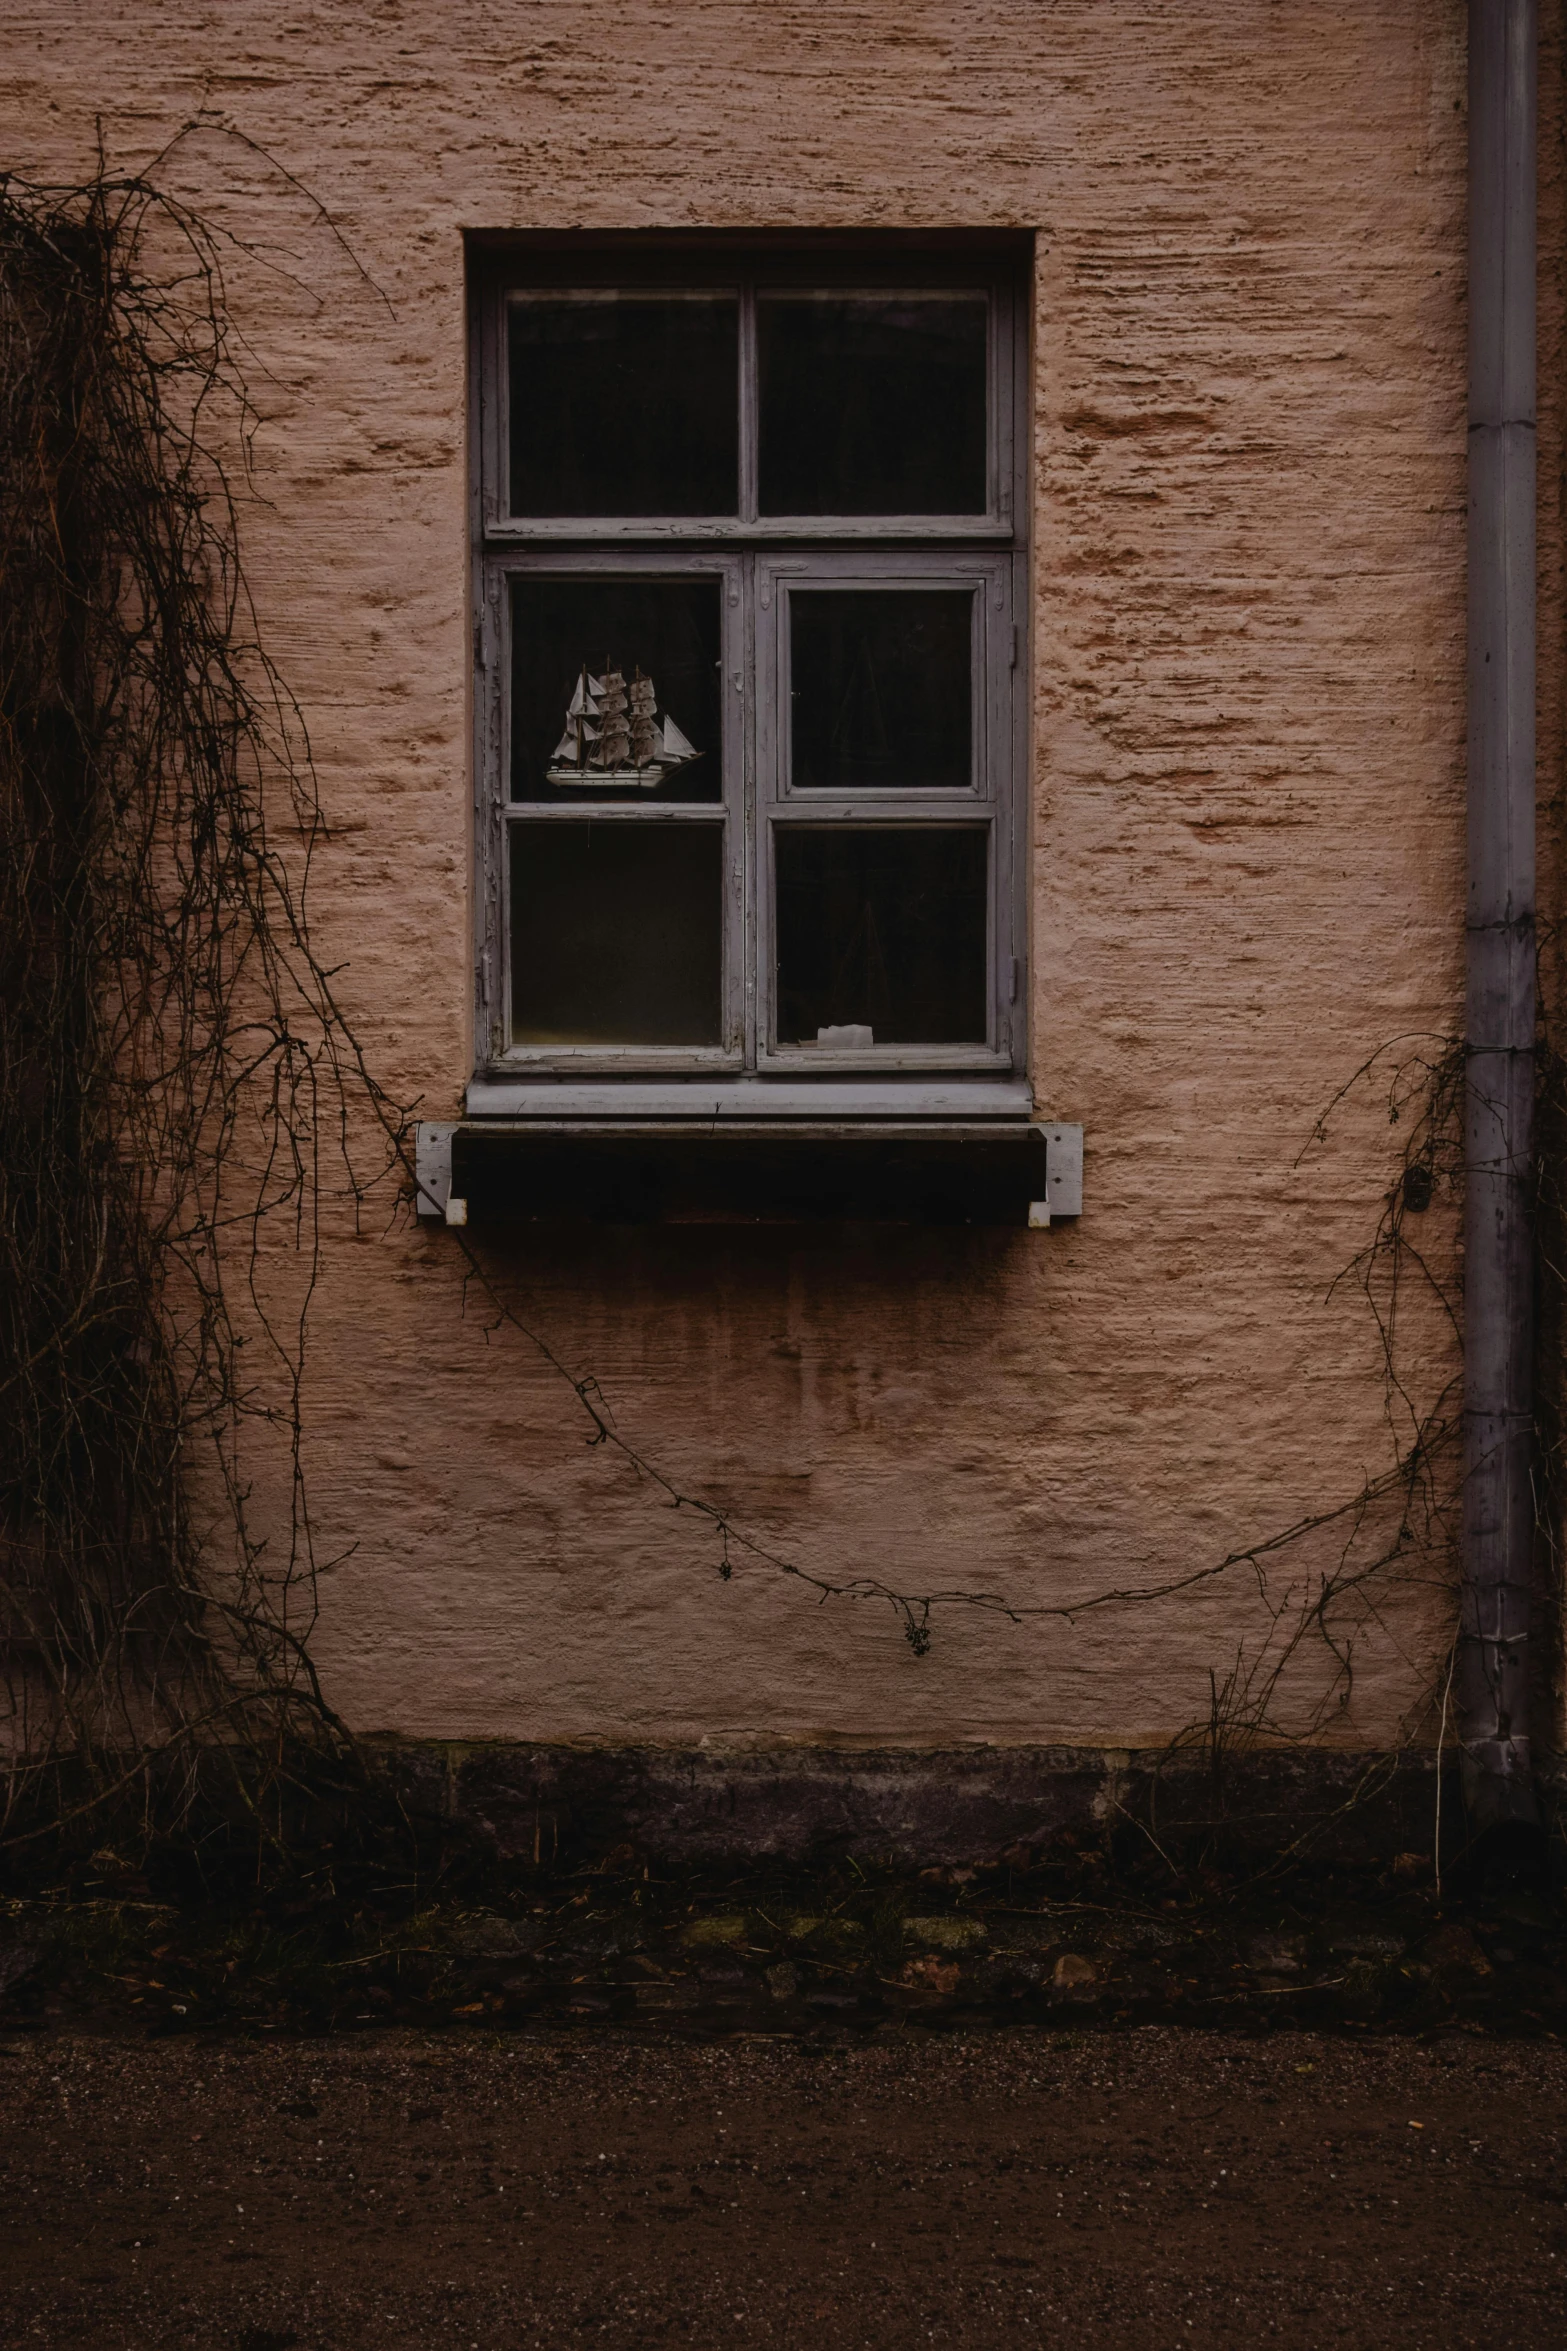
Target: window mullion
{"points": [[750, 806], [749, 429]]}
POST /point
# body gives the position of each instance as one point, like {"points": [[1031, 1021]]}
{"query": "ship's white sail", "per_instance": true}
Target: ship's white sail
{"points": [[572, 741]]}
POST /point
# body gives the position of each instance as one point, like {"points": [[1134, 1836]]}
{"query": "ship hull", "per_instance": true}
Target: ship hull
{"points": [[606, 779]]}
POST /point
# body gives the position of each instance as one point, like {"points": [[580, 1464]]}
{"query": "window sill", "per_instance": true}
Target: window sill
{"points": [[853, 1103], [750, 1152]]}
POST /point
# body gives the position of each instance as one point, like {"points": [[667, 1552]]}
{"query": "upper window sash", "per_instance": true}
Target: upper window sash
{"points": [[500, 348]]}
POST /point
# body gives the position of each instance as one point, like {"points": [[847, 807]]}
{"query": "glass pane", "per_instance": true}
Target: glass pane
{"points": [[883, 932], [881, 689], [872, 403], [624, 404], [616, 689], [616, 934]]}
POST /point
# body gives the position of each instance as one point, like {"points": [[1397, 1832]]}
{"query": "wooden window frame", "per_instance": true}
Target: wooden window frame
{"points": [[758, 562]]}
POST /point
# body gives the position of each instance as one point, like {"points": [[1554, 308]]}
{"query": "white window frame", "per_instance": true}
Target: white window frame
{"points": [[758, 562]]}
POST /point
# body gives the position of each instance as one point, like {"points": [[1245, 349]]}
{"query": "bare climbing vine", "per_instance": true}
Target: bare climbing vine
{"points": [[175, 1073]]}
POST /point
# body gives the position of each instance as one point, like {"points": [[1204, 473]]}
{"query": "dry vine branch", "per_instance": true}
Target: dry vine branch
{"points": [[171, 1056]]}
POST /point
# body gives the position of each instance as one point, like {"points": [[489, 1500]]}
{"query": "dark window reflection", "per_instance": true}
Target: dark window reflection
{"points": [[884, 930], [617, 690], [616, 933], [624, 404], [881, 689], [872, 404]]}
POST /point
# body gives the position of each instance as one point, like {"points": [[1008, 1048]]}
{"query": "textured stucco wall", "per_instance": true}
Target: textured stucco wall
{"points": [[1247, 643]]}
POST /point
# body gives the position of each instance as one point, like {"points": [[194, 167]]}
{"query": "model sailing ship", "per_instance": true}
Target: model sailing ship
{"points": [[615, 739]]}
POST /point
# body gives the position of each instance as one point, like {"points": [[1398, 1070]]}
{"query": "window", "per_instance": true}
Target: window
{"points": [[748, 548]]}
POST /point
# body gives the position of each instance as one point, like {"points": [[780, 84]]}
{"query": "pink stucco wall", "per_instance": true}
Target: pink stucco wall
{"points": [[1247, 645]]}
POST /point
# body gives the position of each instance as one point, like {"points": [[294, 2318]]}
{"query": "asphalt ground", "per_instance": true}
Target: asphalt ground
{"points": [[561, 2185]]}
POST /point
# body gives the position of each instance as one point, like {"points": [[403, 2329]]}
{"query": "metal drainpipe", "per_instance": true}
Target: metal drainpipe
{"points": [[1492, 1669]]}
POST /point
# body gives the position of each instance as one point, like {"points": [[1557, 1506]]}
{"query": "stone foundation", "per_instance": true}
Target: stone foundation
{"points": [[958, 1807]]}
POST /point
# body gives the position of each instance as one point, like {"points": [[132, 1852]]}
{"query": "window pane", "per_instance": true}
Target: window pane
{"points": [[616, 689], [624, 404], [881, 930], [616, 934], [872, 403], [881, 689]]}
